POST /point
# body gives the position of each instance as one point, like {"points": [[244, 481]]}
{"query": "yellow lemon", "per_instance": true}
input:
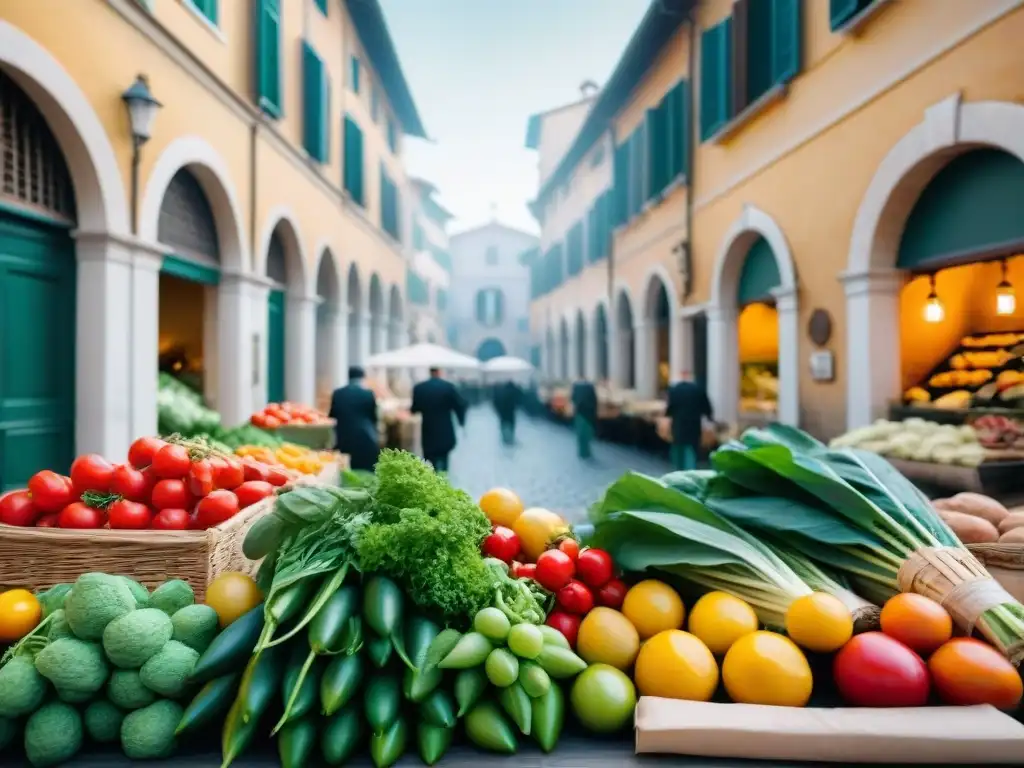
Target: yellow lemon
{"points": [[607, 637], [653, 606], [720, 619], [819, 622], [767, 668], [502, 506], [676, 665]]}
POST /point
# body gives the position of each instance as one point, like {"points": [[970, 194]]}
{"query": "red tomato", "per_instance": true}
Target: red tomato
{"points": [[594, 567], [271, 422], [91, 472], [130, 482], [259, 420], [81, 515], [142, 451], [566, 623], [216, 508], [51, 492], [49, 521], [967, 671], [612, 594], [527, 571], [172, 462], [502, 544], [16, 508], [277, 476], [576, 597], [875, 670], [571, 547], [200, 478], [171, 520], [228, 473], [554, 569], [251, 491], [171, 494], [255, 470], [129, 515]]}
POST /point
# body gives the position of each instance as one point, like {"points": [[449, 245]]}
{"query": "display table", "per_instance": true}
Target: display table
{"points": [[993, 478]]}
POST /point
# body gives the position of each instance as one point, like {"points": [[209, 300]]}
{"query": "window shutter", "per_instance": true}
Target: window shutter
{"points": [[315, 96], [481, 306], [609, 221], [360, 167], [759, 38], [638, 168], [322, 5], [499, 306], [209, 9], [841, 11], [741, 95], [652, 130], [716, 78], [324, 123], [268, 56], [621, 184], [353, 171], [787, 40], [354, 73]]}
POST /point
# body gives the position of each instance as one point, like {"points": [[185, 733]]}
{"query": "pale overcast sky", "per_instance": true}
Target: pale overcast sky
{"points": [[478, 69]]}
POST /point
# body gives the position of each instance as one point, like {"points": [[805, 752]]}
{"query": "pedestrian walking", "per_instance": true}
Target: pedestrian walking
{"points": [[438, 402], [584, 405], [687, 406], [508, 398], [354, 410]]}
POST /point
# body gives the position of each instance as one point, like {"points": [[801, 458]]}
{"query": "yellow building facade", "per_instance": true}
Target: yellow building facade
{"points": [[854, 159], [258, 238]]}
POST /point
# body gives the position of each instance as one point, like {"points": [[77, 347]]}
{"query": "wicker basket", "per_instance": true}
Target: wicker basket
{"points": [[1005, 562], [35, 558]]}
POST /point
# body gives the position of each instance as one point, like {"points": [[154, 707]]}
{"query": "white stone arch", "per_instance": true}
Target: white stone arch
{"points": [[723, 312], [197, 156], [377, 313], [872, 283], [358, 325], [596, 341], [623, 339], [298, 264], [327, 338], [647, 336]]}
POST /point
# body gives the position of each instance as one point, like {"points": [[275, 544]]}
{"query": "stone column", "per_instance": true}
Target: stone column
{"points": [[786, 303], [683, 346], [236, 346], [145, 342], [615, 373], [356, 334], [873, 365], [723, 363], [301, 349], [259, 294], [645, 339]]}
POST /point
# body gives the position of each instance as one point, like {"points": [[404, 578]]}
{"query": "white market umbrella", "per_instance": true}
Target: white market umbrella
{"points": [[423, 356], [507, 364]]}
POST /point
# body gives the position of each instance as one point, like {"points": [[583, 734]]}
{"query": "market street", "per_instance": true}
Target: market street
{"points": [[542, 468]]}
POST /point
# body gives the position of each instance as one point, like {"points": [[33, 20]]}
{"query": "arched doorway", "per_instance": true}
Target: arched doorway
{"points": [[563, 350], [284, 262], [37, 294], [328, 344], [658, 336], [939, 206], [580, 344], [601, 368], [753, 362], [356, 317], [377, 317], [490, 349], [626, 375]]}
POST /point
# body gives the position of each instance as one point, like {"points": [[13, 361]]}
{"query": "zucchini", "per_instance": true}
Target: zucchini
{"points": [[231, 649], [341, 735], [236, 734], [381, 701], [295, 742], [339, 682], [264, 536], [213, 700]]}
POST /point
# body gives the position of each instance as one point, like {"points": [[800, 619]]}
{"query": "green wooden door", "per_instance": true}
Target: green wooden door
{"points": [[275, 346], [37, 349]]}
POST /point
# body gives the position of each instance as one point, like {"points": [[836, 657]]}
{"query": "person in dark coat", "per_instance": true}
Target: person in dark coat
{"points": [[508, 398], [584, 405], [687, 406], [437, 401], [354, 409]]}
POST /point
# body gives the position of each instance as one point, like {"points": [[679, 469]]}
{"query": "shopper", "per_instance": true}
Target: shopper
{"points": [[687, 406], [438, 401], [508, 398], [354, 410], [584, 405]]}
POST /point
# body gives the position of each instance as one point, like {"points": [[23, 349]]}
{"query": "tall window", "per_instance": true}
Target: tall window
{"points": [[490, 307]]}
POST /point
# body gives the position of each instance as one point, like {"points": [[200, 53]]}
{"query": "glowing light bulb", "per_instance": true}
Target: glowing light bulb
{"points": [[934, 312], [1006, 300]]}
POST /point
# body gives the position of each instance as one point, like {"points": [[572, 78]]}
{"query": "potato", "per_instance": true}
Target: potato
{"points": [[1011, 521], [970, 529], [941, 504], [976, 505], [1013, 536]]}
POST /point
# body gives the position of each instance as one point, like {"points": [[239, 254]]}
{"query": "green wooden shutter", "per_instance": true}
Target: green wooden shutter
{"points": [[322, 5], [316, 96], [621, 184], [353, 171], [841, 11], [268, 56], [208, 8], [275, 346], [682, 135], [354, 73], [609, 221], [759, 58], [638, 171], [716, 78], [787, 40], [655, 155]]}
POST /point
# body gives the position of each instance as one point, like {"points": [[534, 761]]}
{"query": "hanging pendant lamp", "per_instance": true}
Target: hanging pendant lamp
{"points": [[934, 311]]}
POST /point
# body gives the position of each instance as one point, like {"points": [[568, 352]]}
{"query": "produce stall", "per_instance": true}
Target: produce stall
{"points": [[689, 615]]}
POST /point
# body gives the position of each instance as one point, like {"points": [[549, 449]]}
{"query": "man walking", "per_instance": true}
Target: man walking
{"points": [[507, 400], [687, 406], [437, 401], [354, 410], [584, 405]]}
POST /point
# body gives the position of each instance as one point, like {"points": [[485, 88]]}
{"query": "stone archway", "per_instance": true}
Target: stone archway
{"points": [[550, 366], [602, 366], [624, 370], [658, 340], [329, 344], [581, 366], [489, 349], [723, 313], [871, 281], [377, 319], [357, 321], [396, 319]]}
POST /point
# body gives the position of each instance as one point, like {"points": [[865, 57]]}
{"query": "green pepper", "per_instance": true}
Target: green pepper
{"points": [[517, 705], [341, 736], [433, 742], [470, 685], [438, 709], [441, 646], [488, 729], [378, 649], [472, 649], [382, 605], [295, 742], [381, 701], [387, 747], [339, 682], [560, 663], [534, 679], [237, 733], [548, 717]]}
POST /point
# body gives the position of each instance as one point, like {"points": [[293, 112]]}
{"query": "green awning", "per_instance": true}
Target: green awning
{"points": [[175, 266], [760, 274]]}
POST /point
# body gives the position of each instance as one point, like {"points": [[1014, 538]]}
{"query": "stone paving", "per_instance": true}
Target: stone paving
{"points": [[542, 467]]}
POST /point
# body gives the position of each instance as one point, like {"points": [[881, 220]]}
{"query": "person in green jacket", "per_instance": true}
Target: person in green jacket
{"points": [[584, 404], [688, 405]]}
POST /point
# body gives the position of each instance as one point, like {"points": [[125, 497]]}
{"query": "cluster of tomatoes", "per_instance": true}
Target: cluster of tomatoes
{"points": [[163, 486], [278, 414]]}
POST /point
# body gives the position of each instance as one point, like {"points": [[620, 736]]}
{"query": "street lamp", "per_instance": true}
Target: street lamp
{"points": [[142, 109]]}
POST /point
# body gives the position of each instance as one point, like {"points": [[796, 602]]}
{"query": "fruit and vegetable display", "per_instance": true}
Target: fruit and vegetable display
{"points": [[979, 519], [999, 432], [291, 456], [276, 415], [985, 371], [181, 410], [917, 439]]}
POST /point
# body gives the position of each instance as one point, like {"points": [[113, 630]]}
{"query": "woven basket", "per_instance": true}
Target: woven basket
{"points": [[1006, 564], [319, 437], [38, 558]]}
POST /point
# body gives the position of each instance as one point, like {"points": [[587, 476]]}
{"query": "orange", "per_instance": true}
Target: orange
{"points": [[916, 621], [19, 613], [967, 671], [536, 529], [653, 606], [501, 506], [819, 622], [607, 637], [231, 595], [676, 665]]}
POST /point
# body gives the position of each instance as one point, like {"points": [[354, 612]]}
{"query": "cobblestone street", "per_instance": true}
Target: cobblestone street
{"points": [[542, 467]]}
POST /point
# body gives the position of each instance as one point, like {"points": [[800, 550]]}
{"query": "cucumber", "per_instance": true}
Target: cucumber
{"points": [[296, 741], [386, 748], [438, 709], [301, 673], [212, 701], [236, 734], [262, 679], [231, 649], [264, 536], [381, 702], [382, 605], [341, 735], [327, 629], [416, 685], [339, 682], [379, 650]]}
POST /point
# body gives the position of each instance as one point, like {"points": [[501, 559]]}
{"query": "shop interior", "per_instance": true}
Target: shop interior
{"points": [[183, 307], [758, 328]]}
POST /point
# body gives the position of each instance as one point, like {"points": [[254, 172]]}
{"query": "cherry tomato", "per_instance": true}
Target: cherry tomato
{"points": [[554, 569], [171, 520], [527, 571], [130, 482], [259, 420], [271, 422], [502, 544], [228, 473], [251, 491], [575, 597], [80, 515], [16, 508], [571, 547], [51, 492], [612, 594], [200, 478], [255, 470], [214, 509], [51, 520], [172, 462], [129, 515], [91, 472], [566, 623], [171, 494], [513, 568], [142, 451], [594, 567], [277, 476]]}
